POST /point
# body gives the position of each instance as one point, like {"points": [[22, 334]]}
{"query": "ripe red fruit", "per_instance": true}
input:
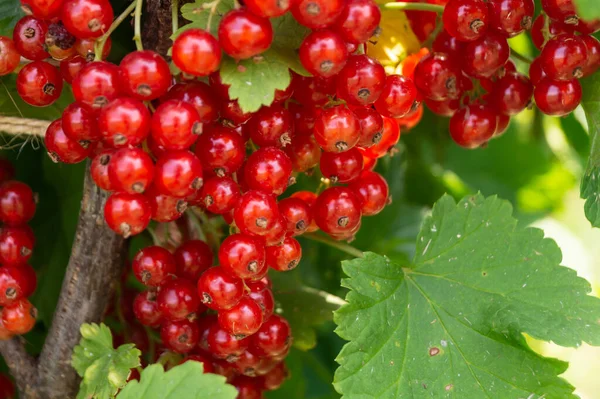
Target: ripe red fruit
{"points": [[16, 282], [276, 377], [564, 57], [87, 18], [269, 170], [221, 150], [466, 20], [588, 27], [131, 170], [243, 35], [180, 336], [389, 138], [196, 52], [361, 81], [398, 98], [337, 129], [86, 48], [243, 319], [511, 17], [371, 126], [256, 213], [17, 203], [163, 207], [99, 169], [557, 97], [304, 152], [512, 94], [16, 245], [146, 309], [153, 266], [323, 53], [175, 125], [61, 148], [341, 167], [145, 75], [200, 95], [219, 290], [178, 174], [483, 57], [223, 345], [268, 8], [46, 9], [555, 28], [286, 256], [263, 296], [271, 126], [70, 67], [593, 55], [79, 123], [220, 194], [561, 10], [473, 125], [372, 192], [358, 21], [316, 14], [337, 210], [273, 338], [9, 56], [97, 84], [438, 77], [303, 118], [446, 43], [124, 122], [297, 215], [177, 299], [29, 36], [19, 316], [242, 256], [192, 258], [39, 84], [247, 387], [127, 214], [313, 92]]}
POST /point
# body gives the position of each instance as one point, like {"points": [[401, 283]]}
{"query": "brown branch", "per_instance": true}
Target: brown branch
{"points": [[156, 31], [21, 365], [97, 258]]}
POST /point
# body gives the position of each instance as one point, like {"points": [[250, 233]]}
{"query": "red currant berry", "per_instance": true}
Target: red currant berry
{"points": [[276, 377], [473, 125], [146, 309], [177, 299], [164, 208], [256, 213], [358, 21], [323, 53], [16, 282], [97, 84], [263, 296], [70, 67], [39, 84], [221, 150], [220, 194], [200, 95], [124, 122], [286, 256], [86, 48], [313, 92], [99, 169], [16, 245], [389, 139], [268, 8], [446, 43], [223, 345], [196, 52], [268, 169], [61, 148], [273, 338], [232, 113], [466, 20], [131, 170], [145, 74], [372, 192], [178, 174], [243, 319], [398, 98], [564, 57], [361, 81], [87, 18], [29, 35], [438, 77], [192, 258], [337, 210], [17, 203], [79, 123], [443, 107], [243, 35], [271, 126], [19, 317], [593, 55], [557, 97], [371, 126], [561, 10], [588, 27], [501, 125], [555, 28], [512, 94], [180, 336], [303, 119], [247, 363], [45, 9], [511, 17], [9, 56], [304, 152], [219, 290], [127, 214], [242, 256], [297, 215], [176, 125], [337, 129], [316, 14], [342, 167], [247, 387], [483, 57]]}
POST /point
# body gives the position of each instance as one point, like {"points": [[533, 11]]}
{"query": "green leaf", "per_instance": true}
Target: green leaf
{"points": [[450, 323], [590, 183], [10, 13], [199, 12], [104, 369], [184, 381], [588, 8]]}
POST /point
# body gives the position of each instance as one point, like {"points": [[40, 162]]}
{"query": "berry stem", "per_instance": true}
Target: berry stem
{"points": [[137, 37], [175, 14], [518, 56], [413, 7], [212, 6], [349, 249], [99, 47]]}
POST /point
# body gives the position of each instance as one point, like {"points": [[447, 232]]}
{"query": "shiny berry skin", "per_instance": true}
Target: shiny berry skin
{"points": [[511, 17], [564, 57], [323, 53], [358, 21], [247, 387], [19, 316], [286, 256], [263, 296], [16, 245], [371, 126], [99, 169], [196, 52], [127, 214], [313, 91], [219, 290], [276, 377], [372, 192], [87, 18], [269, 170], [557, 97], [243, 319], [9, 56], [303, 118], [398, 97], [445, 43], [39, 84], [131, 170], [221, 150], [177, 299], [337, 210], [232, 112], [17, 203], [389, 138], [192, 258], [304, 152], [555, 28], [86, 48], [247, 363], [124, 122], [271, 126], [163, 207], [473, 125], [256, 213], [483, 57], [466, 20], [97, 84], [512, 93], [61, 148], [175, 125], [242, 256], [79, 123], [223, 345], [273, 338], [243, 35], [178, 174], [337, 129], [145, 75], [146, 309], [70, 67], [593, 55], [200, 95], [588, 27], [180, 336], [268, 8], [438, 77], [16, 282], [361, 81], [296, 214], [219, 195], [316, 14], [341, 167], [45, 9], [29, 36], [561, 10]]}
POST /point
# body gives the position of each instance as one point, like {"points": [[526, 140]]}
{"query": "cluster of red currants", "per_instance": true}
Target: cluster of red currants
{"points": [[17, 278], [469, 76]]}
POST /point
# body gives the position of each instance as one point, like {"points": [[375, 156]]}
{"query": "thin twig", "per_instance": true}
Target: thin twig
{"points": [[518, 56], [175, 15], [137, 38], [413, 7], [349, 249], [101, 41]]}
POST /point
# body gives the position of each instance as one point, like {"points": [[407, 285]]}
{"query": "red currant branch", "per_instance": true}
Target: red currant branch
{"points": [[137, 38], [21, 365], [175, 15], [349, 249], [413, 7], [99, 47]]}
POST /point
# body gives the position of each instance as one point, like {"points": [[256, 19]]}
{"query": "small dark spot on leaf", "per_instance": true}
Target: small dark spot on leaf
{"points": [[434, 351]]}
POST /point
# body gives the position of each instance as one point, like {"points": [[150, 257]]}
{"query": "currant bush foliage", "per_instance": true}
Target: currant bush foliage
{"points": [[449, 323], [184, 381], [590, 183], [104, 369], [589, 8]]}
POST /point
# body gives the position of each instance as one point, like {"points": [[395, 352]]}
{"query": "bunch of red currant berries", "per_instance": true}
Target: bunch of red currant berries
{"points": [[17, 278], [470, 77]]}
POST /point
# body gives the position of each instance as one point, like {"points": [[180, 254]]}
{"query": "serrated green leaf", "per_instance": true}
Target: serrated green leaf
{"points": [[587, 8], [199, 12], [10, 13], [590, 183], [104, 369], [184, 381], [450, 323]]}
